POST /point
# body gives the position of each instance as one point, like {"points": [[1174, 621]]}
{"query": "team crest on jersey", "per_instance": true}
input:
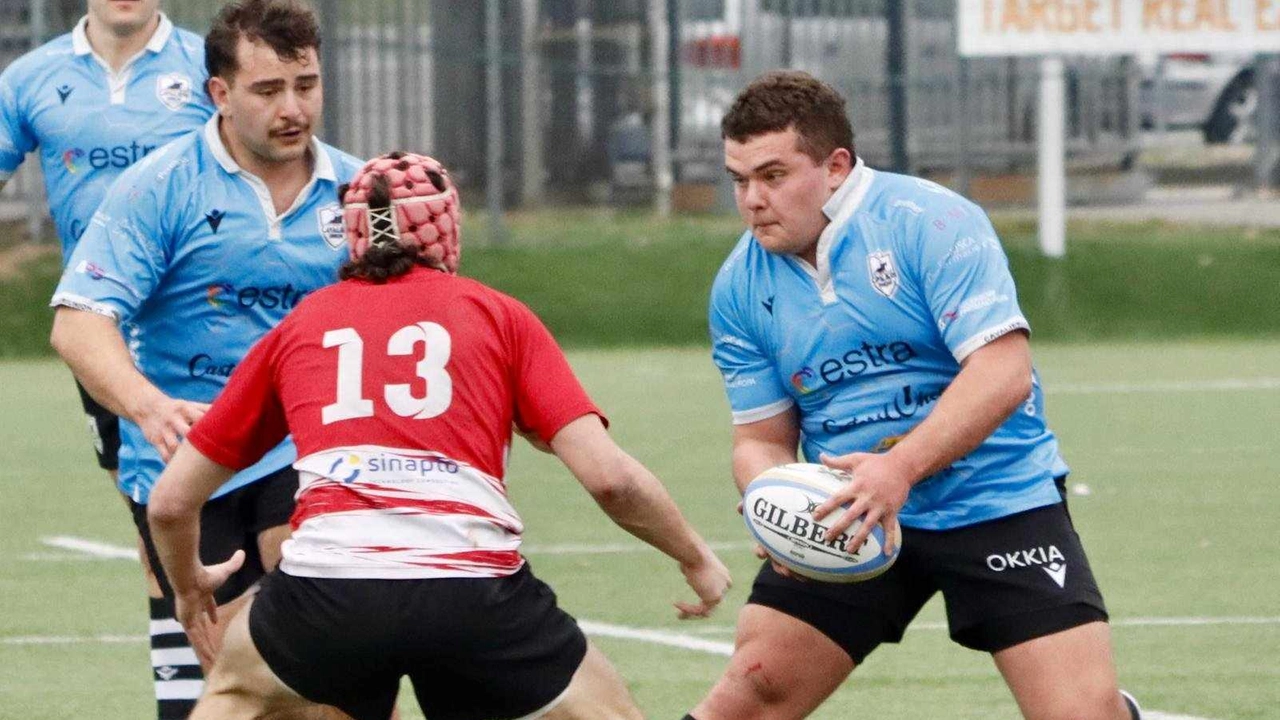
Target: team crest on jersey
{"points": [[174, 90], [884, 275], [331, 227]]}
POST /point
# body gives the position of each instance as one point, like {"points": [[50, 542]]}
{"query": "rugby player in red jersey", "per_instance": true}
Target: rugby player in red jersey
{"points": [[401, 385]]}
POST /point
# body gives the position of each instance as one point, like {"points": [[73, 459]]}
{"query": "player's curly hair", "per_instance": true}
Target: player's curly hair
{"points": [[782, 99], [287, 26]]}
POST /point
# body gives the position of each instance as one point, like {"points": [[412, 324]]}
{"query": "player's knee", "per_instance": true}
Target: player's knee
{"points": [[759, 679], [1099, 703]]}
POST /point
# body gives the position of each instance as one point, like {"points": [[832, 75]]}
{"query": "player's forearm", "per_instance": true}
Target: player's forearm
{"points": [[992, 385], [94, 349], [639, 504], [173, 512], [752, 457]]}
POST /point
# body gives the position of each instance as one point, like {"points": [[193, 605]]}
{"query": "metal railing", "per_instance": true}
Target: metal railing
{"points": [[576, 82]]}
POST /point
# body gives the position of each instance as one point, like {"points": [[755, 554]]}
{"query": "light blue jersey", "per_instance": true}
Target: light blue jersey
{"points": [[188, 253], [89, 123], [910, 280]]}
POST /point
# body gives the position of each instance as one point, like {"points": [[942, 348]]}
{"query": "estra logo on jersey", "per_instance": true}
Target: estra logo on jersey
{"points": [[118, 157], [225, 296]]}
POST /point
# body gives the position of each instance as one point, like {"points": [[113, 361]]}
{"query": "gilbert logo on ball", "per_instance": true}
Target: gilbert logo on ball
{"points": [[778, 508]]}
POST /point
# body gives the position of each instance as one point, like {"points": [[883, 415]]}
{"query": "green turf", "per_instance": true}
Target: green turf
{"points": [[1180, 522]]}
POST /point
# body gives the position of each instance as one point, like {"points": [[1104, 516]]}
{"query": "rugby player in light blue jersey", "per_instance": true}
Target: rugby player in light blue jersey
{"points": [[870, 319], [195, 253], [93, 102]]}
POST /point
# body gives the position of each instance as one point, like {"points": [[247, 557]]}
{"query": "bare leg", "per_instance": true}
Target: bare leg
{"points": [[596, 692], [1069, 675], [242, 686], [781, 668]]}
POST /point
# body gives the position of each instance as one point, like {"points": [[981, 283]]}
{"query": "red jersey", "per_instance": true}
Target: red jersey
{"points": [[401, 398]]}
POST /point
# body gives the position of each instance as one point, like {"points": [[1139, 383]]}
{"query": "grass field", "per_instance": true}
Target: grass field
{"points": [[1177, 444]]}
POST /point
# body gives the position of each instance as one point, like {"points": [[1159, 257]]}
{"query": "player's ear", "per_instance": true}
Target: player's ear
{"points": [[839, 165], [218, 91]]}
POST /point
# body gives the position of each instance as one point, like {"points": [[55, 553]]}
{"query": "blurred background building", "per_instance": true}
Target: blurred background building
{"points": [[619, 101]]}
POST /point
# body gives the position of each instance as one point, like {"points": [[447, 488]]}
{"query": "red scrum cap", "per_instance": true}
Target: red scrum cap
{"points": [[407, 199]]}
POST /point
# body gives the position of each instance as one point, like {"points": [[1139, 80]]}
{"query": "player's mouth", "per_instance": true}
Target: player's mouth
{"points": [[290, 134]]}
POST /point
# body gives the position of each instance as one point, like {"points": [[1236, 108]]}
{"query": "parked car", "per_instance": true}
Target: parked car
{"points": [[1213, 92]]}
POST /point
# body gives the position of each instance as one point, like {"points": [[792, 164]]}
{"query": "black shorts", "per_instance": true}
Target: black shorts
{"points": [[474, 648], [1004, 582], [229, 523], [104, 430]]}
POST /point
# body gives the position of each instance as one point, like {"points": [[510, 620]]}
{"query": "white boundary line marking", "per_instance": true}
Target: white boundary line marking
{"points": [[628, 547], [686, 640], [1121, 388], [1122, 622], [599, 629], [92, 548]]}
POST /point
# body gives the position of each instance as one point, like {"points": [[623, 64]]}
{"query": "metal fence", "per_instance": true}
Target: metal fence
{"points": [[578, 89]]}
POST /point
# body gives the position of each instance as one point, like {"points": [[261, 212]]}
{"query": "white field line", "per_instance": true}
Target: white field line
{"points": [[94, 550], [1120, 622], [1113, 388], [590, 627], [91, 548], [628, 547]]}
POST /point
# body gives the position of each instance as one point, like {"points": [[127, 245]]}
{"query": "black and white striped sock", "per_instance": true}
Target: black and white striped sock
{"points": [[175, 669]]}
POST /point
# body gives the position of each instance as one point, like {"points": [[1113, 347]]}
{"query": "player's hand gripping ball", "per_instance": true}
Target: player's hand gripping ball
{"points": [[778, 508]]}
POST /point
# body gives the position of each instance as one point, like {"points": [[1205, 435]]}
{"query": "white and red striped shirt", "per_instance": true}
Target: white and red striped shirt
{"points": [[401, 398]]}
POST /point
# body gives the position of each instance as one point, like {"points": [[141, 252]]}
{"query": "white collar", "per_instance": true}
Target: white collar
{"points": [[323, 163], [80, 39], [839, 208], [846, 199]]}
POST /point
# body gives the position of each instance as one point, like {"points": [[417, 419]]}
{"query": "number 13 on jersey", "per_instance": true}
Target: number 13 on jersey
{"points": [[350, 404]]}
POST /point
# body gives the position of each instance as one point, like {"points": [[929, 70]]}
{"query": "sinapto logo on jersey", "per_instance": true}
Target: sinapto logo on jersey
{"points": [[346, 469], [389, 469]]}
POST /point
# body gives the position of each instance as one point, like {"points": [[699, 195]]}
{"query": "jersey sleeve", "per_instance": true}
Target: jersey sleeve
{"points": [[548, 395], [750, 377], [122, 256], [966, 280], [16, 136], [247, 419]]}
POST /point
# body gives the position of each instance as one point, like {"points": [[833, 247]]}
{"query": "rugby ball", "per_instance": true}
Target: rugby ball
{"points": [[778, 508]]}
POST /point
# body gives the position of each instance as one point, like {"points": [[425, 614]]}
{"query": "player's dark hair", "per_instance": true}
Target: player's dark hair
{"points": [[287, 26], [783, 99], [384, 260]]}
